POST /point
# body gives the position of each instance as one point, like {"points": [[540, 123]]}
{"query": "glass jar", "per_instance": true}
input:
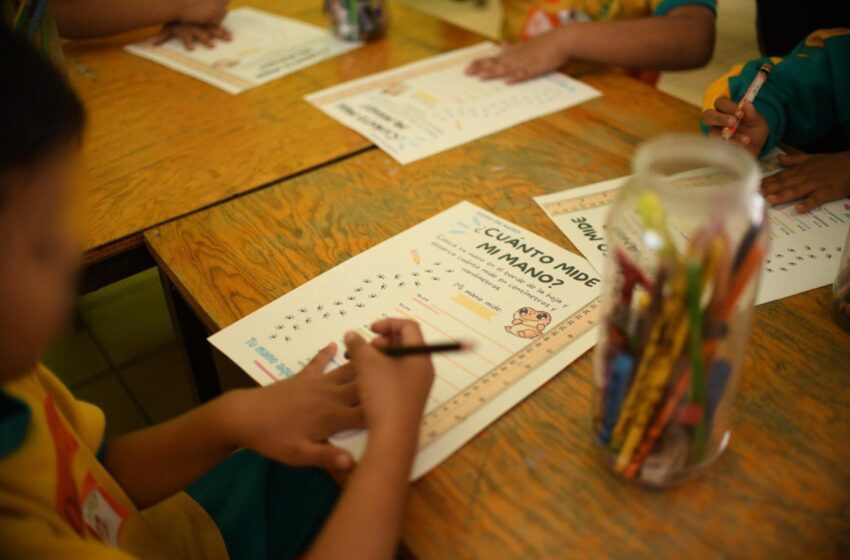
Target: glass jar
{"points": [[688, 234], [841, 289], [357, 20]]}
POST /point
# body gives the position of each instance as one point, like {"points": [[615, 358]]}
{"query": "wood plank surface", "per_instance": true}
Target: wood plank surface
{"points": [[161, 144], [531, 485]]}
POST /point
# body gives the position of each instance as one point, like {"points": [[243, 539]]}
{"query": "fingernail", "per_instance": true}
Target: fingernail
{"points": [[739, 114], [731, 122], [349, 336], [343, 461]]}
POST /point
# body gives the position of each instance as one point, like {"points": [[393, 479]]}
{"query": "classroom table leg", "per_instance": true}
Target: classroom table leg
{"points": [[192, 336]]}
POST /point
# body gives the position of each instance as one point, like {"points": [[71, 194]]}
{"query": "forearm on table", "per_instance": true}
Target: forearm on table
{"points": [[157, 462], [681, 39], [79, 19], [365, 523]]}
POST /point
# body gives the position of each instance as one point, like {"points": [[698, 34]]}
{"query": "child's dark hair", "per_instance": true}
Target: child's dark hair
{"points": [[39, 112]]}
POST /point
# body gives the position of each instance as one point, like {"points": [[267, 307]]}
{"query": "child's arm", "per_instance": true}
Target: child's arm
{"points": [[288, 422], [680, 39], [366, 521], [805, 95], [77, 19]]}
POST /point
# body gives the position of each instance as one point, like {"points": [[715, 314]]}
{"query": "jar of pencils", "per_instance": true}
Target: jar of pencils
{"points": [[841, 289], [687, 236], [357, 20]]}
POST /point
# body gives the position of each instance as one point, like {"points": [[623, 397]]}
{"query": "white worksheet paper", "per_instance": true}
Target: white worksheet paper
{"points": [[264, 47], [426, 107], [805, 249], [463, 274]]}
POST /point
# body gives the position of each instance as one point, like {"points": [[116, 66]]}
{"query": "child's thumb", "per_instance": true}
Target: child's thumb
{"points": [[327, 456], [750, 113], [354, 344]]}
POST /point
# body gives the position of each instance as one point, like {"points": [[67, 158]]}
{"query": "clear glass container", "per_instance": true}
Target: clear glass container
{"points": [[357, 20], [841, 289], [688, 234]]}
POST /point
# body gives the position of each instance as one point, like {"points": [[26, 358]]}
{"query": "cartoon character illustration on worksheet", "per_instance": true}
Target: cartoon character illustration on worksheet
{"points": [[528, 323]]}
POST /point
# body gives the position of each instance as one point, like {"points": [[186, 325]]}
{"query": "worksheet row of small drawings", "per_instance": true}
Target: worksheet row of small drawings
{"points": [[368, 290], [791, 257]]}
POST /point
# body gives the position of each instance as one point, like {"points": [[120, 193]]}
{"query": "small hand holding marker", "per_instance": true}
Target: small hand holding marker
{"points": [[392, 391], [811, 179]]}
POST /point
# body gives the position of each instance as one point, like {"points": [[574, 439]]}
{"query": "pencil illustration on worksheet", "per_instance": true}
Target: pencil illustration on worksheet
{"points": [[464, 274]]}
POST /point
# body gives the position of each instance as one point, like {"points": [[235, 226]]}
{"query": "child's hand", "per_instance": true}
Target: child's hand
{"points": [[393, 391], [752, 132], [290, 421], [813, 178], [522, 61], [191, 33]]}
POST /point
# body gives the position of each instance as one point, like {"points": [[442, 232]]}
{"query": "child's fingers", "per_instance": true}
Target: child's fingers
{"points": [[476, 65], [815, 199], [357, 348], [782, 180], [715, 118], [220, 33], [205, 38], [517, 76], [741, 139], [401, 330], [789, 194], [161, 37], [492, 68], [185, 38], [321, 360], [326, 456], [750, 115], [789, 160], [727, 106]]}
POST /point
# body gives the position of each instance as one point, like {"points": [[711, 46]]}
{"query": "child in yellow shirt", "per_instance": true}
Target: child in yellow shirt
{"points": [[632, 34], [212, 483]]}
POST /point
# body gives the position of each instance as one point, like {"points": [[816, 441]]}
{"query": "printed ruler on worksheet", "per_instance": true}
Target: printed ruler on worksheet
{"points": [[505, 375], [580, 203], [525, 303]]}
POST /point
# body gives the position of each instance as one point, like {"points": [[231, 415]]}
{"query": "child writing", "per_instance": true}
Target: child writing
{"points": [[64, 493], [806, 98], [633, 34]]}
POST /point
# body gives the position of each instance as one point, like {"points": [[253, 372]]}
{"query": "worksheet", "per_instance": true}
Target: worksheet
{"points": [[528, 307], [264, 47], [427, 107], [805, 249]]}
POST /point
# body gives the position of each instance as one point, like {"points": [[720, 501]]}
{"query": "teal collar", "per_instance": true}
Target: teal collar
{"points": [[14, 419]]}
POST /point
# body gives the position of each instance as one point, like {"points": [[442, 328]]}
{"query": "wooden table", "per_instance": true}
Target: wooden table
{"points": [[160, 144], [531, 485]]}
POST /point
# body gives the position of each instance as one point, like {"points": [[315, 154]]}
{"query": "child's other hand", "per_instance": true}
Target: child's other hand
{"points": [[393, 391], [191, 33], [290, 421], [752, 132], [815, 179], [522, 61]]}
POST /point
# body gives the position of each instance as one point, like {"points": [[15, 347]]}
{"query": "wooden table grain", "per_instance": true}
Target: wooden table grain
{"points": [[531, 485], [161, 144]]}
